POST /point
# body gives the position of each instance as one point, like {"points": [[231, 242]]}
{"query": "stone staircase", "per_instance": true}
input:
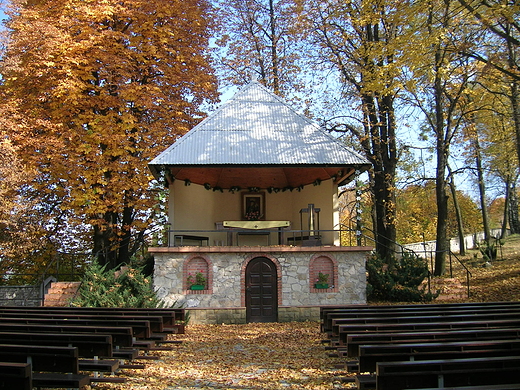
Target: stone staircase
{"points": [[451, 289], [60, 293]]}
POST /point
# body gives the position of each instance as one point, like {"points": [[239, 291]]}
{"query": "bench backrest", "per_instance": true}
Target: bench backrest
{"points": [[332, 318], [156, 322], [355, 340], [121, 336], [369, 355], [447, 373], [42, 358], [88, 345], [15, 376], [344, 331], [170, 315], [140, 328]]}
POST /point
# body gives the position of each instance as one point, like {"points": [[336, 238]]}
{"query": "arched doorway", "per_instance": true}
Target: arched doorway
{"points": [[261, 291]]}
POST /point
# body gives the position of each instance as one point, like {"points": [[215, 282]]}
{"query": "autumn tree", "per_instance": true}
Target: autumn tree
{"points": [[26, 225], [499, 21], [104, 87], [260, 39], [363, 43], [496, 125], [17, 234], [417, 219], [440, 79]]}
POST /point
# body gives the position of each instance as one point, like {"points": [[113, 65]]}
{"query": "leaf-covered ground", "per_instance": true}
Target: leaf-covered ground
{"points": [[498, 280], [287, 355], [251, 356]]}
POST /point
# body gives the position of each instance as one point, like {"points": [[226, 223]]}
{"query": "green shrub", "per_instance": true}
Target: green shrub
{"points": [[488, 250], [126, 287], [398, 282]]}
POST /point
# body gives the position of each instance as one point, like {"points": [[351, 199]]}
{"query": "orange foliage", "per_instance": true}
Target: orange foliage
{"points": [[104, 87]]}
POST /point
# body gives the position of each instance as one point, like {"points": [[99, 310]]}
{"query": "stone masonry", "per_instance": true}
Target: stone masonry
{"points": [[223, 300]]}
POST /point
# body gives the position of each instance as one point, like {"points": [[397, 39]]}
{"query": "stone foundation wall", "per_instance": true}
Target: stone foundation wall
{"points": [[223, 300], [20, 296], [238, 315]]}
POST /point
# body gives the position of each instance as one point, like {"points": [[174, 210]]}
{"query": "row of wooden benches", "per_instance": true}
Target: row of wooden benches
{"points": [[51, 347], [462, 346]]}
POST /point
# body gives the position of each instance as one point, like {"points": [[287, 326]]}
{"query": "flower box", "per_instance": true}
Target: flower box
{"points": [[197, 287], [321, 285]]}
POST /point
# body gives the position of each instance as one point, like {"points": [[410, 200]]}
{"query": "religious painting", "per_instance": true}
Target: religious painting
{"points": [[253, 206]]}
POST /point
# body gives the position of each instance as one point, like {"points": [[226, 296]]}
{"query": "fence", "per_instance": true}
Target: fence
{"points": [[471, 241]]}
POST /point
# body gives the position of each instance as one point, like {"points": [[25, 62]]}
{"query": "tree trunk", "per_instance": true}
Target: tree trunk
{"points": [[274, 49], [503, 232], [382, 153], [442, 149], [441, 245], [458, 214], [515, 96], [514, 222], [110, 248], [482, 189]]}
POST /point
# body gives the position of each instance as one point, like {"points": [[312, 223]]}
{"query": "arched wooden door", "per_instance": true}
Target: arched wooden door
{"points": [[261, 291]]}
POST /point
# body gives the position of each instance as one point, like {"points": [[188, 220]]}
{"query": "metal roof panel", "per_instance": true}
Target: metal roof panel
{"points": [[256, 127]]}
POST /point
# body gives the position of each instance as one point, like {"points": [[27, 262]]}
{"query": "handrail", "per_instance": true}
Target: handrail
{"points": [[403, 249], [468, 272]]}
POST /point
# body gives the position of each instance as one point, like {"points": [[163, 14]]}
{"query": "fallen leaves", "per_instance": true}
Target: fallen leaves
{"points": [[249, 356]]}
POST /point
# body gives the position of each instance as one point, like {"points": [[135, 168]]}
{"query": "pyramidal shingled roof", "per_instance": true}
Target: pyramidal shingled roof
{"points": [[255, 127]]}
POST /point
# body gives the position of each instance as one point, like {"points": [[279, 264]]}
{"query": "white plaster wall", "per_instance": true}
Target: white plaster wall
{"points": [[195, 208]]}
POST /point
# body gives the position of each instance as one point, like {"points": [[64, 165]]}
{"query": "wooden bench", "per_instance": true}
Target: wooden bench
{"points": [[341, 324], [346, 330], [324, 310], [139, 328], [328, 316], [172, 317], [88, 345], [121, 336], [99, 365], [52, 367], [15, 376], [155, 323], [67, 358], [514, 386], [354, 341], [413, 335], [449, 372], [182, 237], [369, 355]]}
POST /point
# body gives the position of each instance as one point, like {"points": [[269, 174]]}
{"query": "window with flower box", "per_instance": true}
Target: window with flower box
{"points": [[196, 275], [322, 274]]}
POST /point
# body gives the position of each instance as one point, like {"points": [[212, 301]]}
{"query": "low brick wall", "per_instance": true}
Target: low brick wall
{"points": [[20, 296]]}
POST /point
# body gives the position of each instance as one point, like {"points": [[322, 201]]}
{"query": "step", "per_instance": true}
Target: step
{"points": [[60, 293]]}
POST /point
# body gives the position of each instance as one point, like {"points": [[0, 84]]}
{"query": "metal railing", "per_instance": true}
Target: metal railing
{"points": [[62, 267], [429, 255], [230, 236]]}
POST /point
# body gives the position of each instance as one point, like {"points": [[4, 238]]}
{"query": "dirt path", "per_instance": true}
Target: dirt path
{"points": [[252, 356]]}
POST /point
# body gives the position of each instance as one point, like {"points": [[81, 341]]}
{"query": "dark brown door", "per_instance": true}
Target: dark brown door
{"points": [[261, 291]]}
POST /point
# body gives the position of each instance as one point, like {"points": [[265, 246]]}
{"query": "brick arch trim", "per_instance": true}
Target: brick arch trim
{"points": [[243, 276], [209, 274], [314, 268]]}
